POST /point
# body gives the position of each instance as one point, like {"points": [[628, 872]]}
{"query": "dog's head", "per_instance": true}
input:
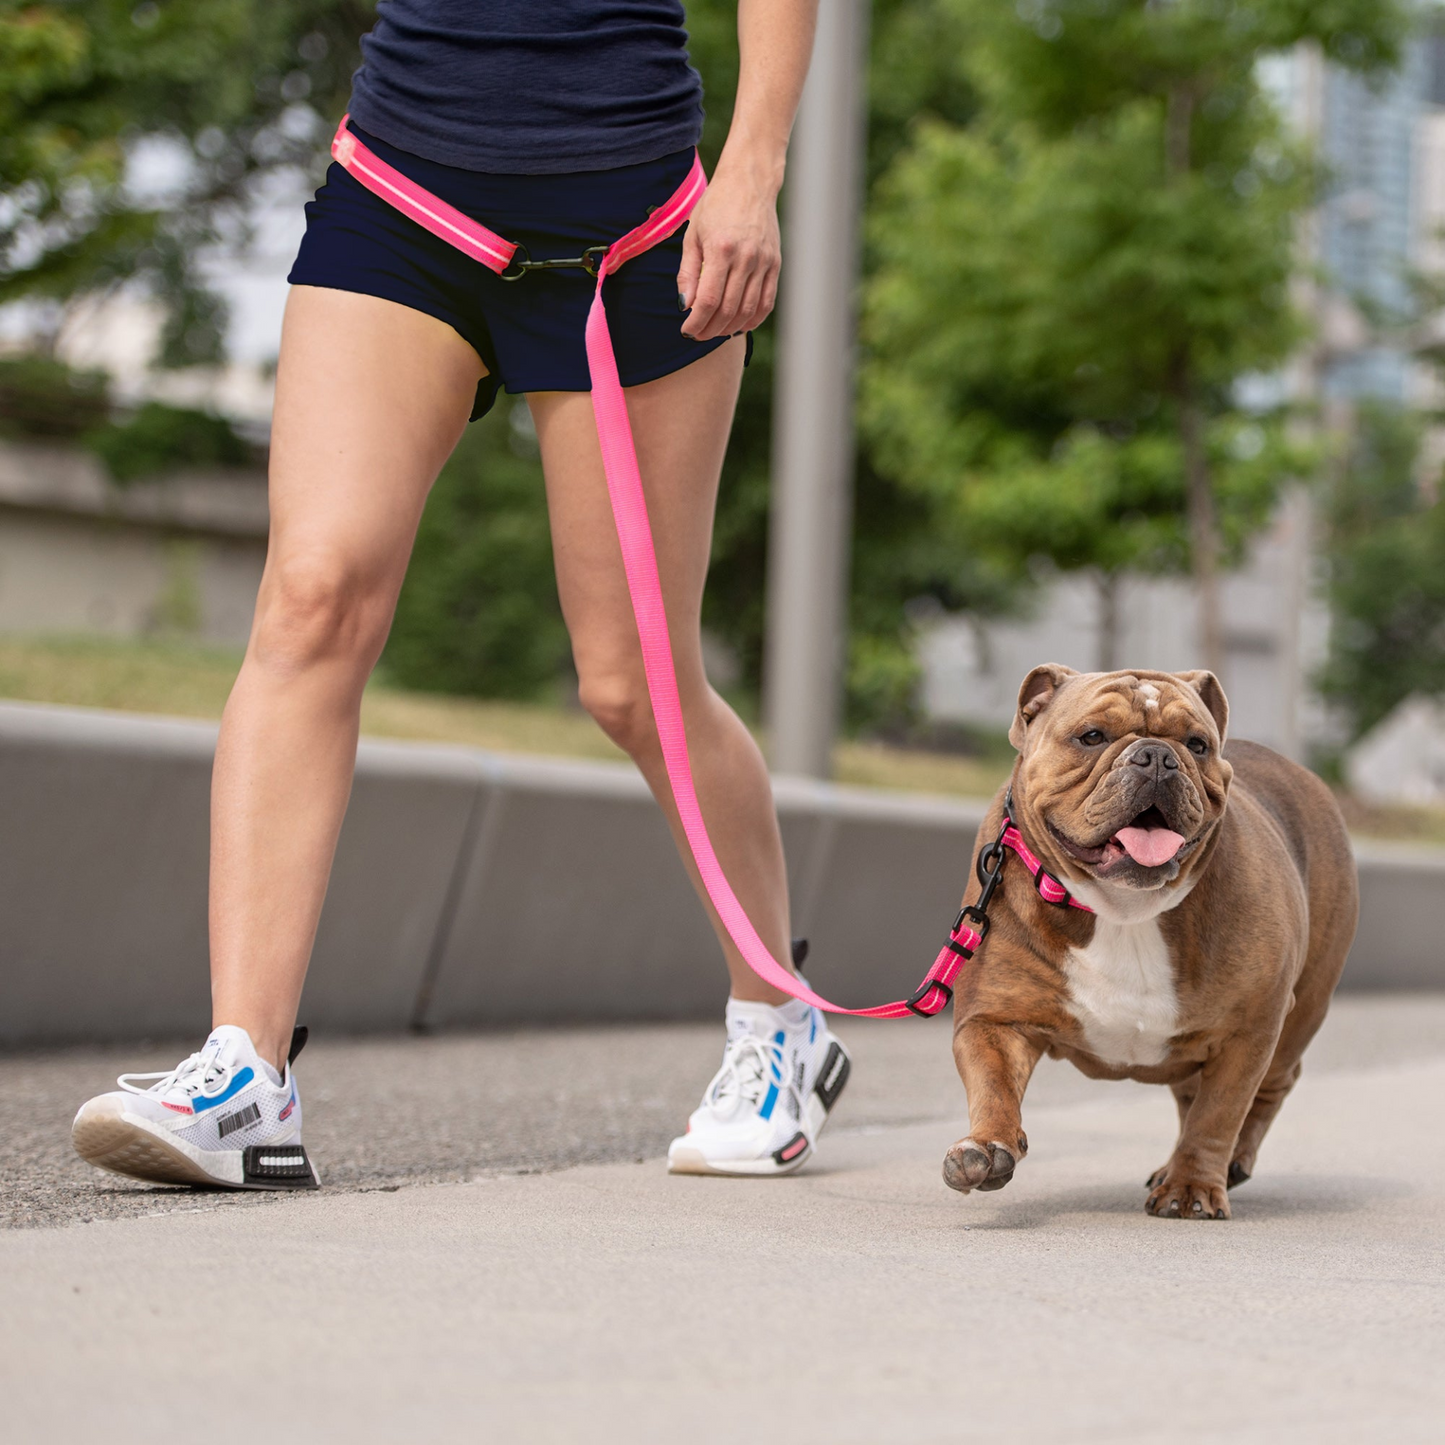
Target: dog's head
{"points": [[1121, 783]]}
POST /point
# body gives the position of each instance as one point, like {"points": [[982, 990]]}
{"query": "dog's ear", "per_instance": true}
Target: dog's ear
{"points": [[1211, 694], [1034, 696]]}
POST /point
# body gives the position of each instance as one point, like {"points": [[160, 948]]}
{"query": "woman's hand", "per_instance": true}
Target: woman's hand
{"points": [[732, 250], [730, 258]]}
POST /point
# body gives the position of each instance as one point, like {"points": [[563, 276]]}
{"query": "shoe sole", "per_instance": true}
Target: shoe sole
{"points": [[683, 1158], [105, 1135]]}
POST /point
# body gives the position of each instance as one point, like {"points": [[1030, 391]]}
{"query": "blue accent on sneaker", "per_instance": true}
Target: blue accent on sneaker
{"points": [[242, 1077], [812, 1026], [769, 1100], [779, 1038]]}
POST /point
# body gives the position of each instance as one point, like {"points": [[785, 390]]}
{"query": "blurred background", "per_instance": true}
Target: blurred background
{"points": [[1148, 374]]}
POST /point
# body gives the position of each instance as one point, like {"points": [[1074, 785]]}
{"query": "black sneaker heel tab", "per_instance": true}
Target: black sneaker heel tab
{"points": [[832, 1076], [800, 952], [277, 1166], [299, 1035]]}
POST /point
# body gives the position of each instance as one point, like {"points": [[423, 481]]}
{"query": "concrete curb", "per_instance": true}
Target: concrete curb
{"points": [[474, 889]]}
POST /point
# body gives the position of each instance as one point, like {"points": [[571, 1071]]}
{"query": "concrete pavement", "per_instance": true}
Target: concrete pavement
{"points": [[460, 1281]]}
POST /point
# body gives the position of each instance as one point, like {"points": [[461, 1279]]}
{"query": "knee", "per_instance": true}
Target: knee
{"points": [[317, 609], [619, 705]]}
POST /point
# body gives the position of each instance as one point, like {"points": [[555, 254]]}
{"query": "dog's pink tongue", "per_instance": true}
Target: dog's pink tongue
{"points": [[1150, 846]]}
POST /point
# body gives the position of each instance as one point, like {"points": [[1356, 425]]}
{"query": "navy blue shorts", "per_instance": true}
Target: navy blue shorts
{"points": [[530, 333]]}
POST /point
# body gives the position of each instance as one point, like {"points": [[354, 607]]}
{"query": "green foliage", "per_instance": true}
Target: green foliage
{"points": [[478, 612], [1386, 559], [1112, 502], [44, 398], [160, 438], [1103, 250], [82, 80], [899, 552]]}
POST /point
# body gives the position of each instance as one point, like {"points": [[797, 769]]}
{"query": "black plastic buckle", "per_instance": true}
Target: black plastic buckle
{"points": [[911, 1003], [975, 916], [979, 919], [589, 261]]}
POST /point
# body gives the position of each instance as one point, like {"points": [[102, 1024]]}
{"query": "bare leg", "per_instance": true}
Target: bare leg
{"points": [[371, 399], [681, 424]]}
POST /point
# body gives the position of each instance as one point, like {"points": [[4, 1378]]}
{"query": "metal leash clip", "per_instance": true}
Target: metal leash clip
{"points": [[588, 261]]}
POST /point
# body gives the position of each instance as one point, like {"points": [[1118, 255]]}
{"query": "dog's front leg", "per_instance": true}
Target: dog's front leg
{"points": [[1192, 1184], [995, 1062]]}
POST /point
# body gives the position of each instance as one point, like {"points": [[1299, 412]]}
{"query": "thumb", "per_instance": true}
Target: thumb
{"points": [[690, 269]]}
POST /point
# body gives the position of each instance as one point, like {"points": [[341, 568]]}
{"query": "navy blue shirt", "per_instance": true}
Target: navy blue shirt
{"points": [[530, 87]]}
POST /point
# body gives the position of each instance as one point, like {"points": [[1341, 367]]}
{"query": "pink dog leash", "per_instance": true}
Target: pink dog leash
{"points": [[639, 560]]}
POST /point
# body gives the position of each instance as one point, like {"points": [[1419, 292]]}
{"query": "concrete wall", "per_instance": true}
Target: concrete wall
{"points": [[476, 889], [182, 554]]}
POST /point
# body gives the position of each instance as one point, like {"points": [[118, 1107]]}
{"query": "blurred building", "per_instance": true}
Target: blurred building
{"points": [[1384, 214], [178, 555]]}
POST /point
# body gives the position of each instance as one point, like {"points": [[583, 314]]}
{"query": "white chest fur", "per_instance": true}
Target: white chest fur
{"points": [[1121, 991]]}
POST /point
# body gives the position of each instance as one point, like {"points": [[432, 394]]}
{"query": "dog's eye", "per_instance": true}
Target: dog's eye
{"points": [[1197, 746], [1092, 738]]}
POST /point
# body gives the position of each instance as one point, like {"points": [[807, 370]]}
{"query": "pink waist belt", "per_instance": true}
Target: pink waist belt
{"points": [[634, 532]]}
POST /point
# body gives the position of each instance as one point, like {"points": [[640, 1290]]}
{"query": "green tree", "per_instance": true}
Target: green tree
{"points": [[82, 81], [1070, 287], [478, 612], [1386, 572], [901, 552], [246, 87]]}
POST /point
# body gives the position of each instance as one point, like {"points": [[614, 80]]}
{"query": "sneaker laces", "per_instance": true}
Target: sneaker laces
{"points": [[195, 1075], [746, 1072]]}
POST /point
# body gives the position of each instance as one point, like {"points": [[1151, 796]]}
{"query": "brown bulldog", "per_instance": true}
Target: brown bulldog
{"points": [[1223, 898]]}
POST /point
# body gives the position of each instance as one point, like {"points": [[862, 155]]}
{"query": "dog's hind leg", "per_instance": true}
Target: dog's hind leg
{"points": [[1277, 1083], [1301, 1023]]}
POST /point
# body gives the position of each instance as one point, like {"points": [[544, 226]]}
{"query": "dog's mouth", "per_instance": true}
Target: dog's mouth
{"points": [[1147, 840]]}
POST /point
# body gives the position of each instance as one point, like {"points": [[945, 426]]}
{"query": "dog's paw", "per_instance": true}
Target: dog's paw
{"points": [[970, 1165], [1183, 1198]]}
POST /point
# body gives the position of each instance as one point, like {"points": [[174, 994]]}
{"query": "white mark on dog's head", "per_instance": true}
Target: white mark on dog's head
{"points": [[1150, 694]]}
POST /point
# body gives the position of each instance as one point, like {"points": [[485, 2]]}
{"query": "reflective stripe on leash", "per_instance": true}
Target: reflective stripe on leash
{"points": [[639, 560]]}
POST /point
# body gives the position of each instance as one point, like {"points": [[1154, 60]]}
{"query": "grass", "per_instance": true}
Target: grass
{"points": [[186, 680], [182, 679]]}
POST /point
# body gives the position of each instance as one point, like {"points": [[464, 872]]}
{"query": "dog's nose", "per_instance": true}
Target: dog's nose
{"points": [[1155, 756]]}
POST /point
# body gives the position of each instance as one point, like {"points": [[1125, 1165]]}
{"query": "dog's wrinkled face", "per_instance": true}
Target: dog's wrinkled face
{"points": [[1121, 780]]}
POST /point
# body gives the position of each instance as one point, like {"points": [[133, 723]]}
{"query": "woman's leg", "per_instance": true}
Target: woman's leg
{"points": [[371, 398], [681, 424]]}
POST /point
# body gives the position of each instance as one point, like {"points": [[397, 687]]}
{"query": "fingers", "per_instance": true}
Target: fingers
{"points": [[755, 308], [724, 320], [691, 268], [710, 292], [735, 292]]}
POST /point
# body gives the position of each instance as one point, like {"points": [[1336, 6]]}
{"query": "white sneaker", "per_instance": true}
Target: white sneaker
{"points": [[221, 1117], [781, 1074]]}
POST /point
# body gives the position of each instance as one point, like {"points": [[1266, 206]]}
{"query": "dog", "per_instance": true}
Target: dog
{"points": [[1209, 900]]}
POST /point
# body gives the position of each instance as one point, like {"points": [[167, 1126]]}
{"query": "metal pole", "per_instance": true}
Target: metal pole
{"points": [[813, 402]]}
